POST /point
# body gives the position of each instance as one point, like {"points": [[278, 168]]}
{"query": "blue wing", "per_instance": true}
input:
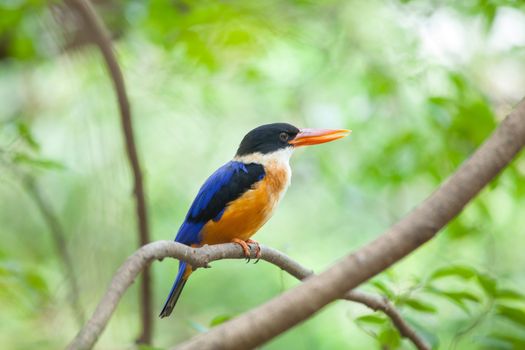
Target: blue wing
{"points": [[225, 185]]}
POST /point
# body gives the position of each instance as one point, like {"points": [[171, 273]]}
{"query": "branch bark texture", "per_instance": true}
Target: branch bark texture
{"points": [[296, 305], [100, 36], [201, 257]]}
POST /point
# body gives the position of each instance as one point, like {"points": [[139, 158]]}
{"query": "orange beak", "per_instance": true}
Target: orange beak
{"points": [[308, 137]]}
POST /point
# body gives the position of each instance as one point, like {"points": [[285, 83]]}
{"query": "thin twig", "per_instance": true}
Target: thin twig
{"points": [[201, 257], [373, 302], [101, 38], [384, 305]]}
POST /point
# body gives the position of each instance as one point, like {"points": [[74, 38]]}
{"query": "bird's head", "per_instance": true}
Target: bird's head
{"points": [[271, 138]]}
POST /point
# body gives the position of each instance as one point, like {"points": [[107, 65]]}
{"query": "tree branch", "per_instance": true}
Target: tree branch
{"points": [[101, 38], [383, 304], [201, 257], [266, 321]]}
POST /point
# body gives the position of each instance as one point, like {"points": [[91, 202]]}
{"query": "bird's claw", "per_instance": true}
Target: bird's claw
{"points": [[246, 249], [257, 249]]}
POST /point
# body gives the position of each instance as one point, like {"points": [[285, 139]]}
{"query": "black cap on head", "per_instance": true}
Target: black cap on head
{"points": [[267, 138]]}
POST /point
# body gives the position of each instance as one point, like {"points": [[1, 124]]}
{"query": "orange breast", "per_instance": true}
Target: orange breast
{"points": [[245, 215]]}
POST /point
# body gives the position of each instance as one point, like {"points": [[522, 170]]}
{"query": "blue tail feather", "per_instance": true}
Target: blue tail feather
{"points": [[180, 281]]}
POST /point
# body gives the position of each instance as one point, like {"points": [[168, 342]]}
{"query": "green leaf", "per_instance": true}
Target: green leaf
{"points": [[509, 294], [489, 343], [217, 320], [390, 337], [488, 284], [25, 133], [458, 298], [464, 296], [371, 319], [441, 101], [512, 314], [489, 11], [456, 295], [22, 158], [462, 271], [420, 306], [514, 341], [382, 287], [35, 281]]}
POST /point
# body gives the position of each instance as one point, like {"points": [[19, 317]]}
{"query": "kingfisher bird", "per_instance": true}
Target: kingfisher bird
{"points": [[239, 197]]}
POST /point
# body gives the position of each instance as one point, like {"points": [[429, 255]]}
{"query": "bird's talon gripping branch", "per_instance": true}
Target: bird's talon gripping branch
{"points": [[257, 249], [245, 248]]}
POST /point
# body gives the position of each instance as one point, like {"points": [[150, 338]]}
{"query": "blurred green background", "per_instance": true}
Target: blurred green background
{"points": [[421, 84]]}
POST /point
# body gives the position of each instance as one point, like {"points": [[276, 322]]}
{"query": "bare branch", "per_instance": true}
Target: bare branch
{"points": [[384, 305], [266, 321], [201, 257], [373, 302], [101, 38]]}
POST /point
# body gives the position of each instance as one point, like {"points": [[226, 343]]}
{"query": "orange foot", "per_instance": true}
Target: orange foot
{"points": [[257, 249], [246, 248]]}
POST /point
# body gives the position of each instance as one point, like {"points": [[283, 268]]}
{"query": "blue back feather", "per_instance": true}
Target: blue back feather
{"points": [[223, 186], [189, 232]]}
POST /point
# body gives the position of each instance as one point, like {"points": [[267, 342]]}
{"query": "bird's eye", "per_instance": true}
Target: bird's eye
{"points": [[284, 136]]}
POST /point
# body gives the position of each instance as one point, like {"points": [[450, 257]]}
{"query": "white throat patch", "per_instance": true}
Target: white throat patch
{"points": [[281, 157]]}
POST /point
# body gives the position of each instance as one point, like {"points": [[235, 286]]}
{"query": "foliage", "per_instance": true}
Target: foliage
{"points": [[421, 83], [478, 296]]}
